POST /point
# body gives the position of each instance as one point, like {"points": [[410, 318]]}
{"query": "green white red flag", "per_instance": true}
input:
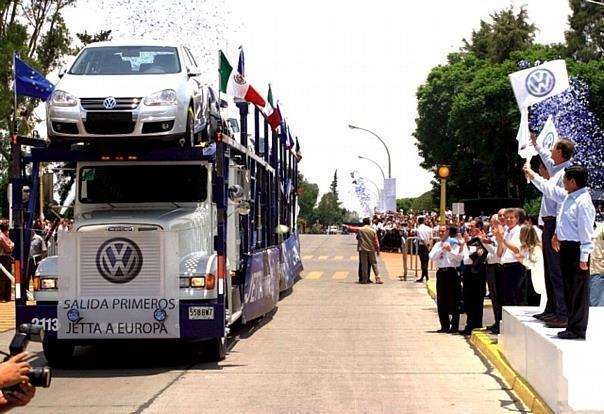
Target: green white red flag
{"points": [[233, 83], [272, 112]]}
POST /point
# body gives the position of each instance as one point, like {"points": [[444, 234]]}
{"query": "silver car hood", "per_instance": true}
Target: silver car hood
{"points": [[168, 219], [131, 86]]}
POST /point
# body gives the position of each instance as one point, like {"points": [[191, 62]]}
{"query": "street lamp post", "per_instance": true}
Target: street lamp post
{"points": [[378, 165], [443, 172], [383, 143]]}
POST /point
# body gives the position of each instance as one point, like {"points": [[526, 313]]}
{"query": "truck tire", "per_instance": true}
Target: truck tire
{"points": [[58, 353], [215, 349]]}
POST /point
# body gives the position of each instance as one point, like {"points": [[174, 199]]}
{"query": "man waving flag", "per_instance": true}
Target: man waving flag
{"points": [[233, 83]]}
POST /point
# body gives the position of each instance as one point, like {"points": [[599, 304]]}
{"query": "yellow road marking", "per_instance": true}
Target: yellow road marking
{"points": [[323, 257], [354, 257], [338, 258], [313, 275], [340, 275], [307, 257]]}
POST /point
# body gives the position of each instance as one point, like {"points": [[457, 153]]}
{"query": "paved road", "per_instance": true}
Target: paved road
{"points": [[331, 346]]}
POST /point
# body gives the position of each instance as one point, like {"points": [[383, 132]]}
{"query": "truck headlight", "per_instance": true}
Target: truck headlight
{"points": [[62, 98], [195, 282], [45, 283], [166, 97]]}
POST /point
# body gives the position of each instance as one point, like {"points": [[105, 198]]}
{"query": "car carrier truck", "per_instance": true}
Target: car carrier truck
{"points": [[169, 243]]}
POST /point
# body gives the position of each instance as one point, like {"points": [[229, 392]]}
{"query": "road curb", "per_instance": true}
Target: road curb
{"points": [[488, 348]]}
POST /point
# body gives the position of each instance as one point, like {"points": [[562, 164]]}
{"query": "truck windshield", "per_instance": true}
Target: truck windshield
{"points": [[143, 184], [126, 60]]}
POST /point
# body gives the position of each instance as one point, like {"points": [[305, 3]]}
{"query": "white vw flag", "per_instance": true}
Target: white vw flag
{"points": [[538, 83], [548, 134], [525, 148]]}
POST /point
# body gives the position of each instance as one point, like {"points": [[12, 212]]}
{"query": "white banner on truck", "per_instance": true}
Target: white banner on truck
{"points": [[118, 285]]}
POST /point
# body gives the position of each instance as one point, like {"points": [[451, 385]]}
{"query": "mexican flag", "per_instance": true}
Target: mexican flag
{"points": [[233, 83], [273, 114]]}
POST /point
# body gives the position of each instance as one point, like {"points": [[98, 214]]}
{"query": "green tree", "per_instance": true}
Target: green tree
{"points": [[86, 38], [425, 201], [307, 198], [34, 29], [333, 187], [507, 32], [328, 211], [585, 39], [404, 203]]}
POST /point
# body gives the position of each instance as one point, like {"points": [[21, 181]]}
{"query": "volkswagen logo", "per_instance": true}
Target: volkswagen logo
{"points": [[109, 102], [540, 82], [119, 260], [548, 141]]}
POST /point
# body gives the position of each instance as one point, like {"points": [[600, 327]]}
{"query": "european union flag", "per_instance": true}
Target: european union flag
{"points": [[28, 82]]}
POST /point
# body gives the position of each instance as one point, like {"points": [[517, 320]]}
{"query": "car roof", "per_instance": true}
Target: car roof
{"points": [[134, 43]]}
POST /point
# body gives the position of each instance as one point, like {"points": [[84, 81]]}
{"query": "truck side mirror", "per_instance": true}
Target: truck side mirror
{"points": [[243, 208], [62, 72], [235, 193]]}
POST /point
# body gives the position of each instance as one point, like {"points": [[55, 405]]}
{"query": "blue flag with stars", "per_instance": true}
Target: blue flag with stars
{"points": [[28, 82]]}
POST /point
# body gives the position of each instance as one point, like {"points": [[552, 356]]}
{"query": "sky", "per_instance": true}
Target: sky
{"points": [[330, 64]]}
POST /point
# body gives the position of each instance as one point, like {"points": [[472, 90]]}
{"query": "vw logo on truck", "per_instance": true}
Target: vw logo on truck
{"points": [[119, 260]]}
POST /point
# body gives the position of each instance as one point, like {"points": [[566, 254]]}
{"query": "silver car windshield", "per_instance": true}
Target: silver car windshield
{"points": [[126, 60]]}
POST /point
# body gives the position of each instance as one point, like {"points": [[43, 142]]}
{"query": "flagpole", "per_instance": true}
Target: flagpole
{"points": [[15, 122], [16, 193]]}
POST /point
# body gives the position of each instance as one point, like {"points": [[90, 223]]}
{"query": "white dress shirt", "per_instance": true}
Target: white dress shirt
{"points": [[553, 188], [512, 236], [443, 258], [576, 221], [424, 234]]}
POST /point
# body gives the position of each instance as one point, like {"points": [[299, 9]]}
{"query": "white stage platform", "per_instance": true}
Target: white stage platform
{"points": [[567, 374]]}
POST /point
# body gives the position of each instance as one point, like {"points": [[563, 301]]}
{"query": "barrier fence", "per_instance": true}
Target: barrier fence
{"points": [[410, 250]]}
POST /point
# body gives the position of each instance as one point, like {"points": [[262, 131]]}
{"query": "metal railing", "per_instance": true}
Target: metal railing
{"points": [[411, 260]]}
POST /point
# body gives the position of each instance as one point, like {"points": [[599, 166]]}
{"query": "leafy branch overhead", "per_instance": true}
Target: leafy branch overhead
{"points": [[467, 114]]}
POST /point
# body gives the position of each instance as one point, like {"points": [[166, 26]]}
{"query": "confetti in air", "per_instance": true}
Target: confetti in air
{"points": [[361, 192], [574, 120], [201, 25]]}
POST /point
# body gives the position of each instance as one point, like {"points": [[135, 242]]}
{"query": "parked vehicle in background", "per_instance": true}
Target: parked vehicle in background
{"points": [[334, 229]]}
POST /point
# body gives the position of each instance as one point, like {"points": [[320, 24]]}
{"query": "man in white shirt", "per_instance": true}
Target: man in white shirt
{"points": [[552, 188], [508, 247], [573, 239], [424, 240], [447, 258], [494, 271]]}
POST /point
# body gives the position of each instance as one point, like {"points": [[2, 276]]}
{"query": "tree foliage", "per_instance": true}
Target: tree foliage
{"points": [[507, 32], [307, 198], [467, 114], [585, 39]]}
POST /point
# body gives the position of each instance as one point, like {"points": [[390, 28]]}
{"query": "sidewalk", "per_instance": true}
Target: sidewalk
{"points": [[7, 316], [486, 343]]}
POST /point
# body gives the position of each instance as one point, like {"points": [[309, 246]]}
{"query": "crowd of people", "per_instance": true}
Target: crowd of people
{"points": [[522, 260], [43, 241]]}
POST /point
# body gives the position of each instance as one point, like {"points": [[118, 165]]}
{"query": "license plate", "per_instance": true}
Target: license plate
{"points": [[109, 116], [201, 312]]}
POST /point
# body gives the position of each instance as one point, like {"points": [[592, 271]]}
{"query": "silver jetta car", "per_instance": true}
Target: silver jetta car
{"points": [[116, 90]]}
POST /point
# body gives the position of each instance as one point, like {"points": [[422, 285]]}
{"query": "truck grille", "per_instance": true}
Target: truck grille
{"points": [[96, 104], [148, 282]]}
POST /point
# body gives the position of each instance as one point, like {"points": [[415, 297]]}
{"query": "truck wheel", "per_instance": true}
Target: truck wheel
{"points": [[57, 353], [215, 349]]}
